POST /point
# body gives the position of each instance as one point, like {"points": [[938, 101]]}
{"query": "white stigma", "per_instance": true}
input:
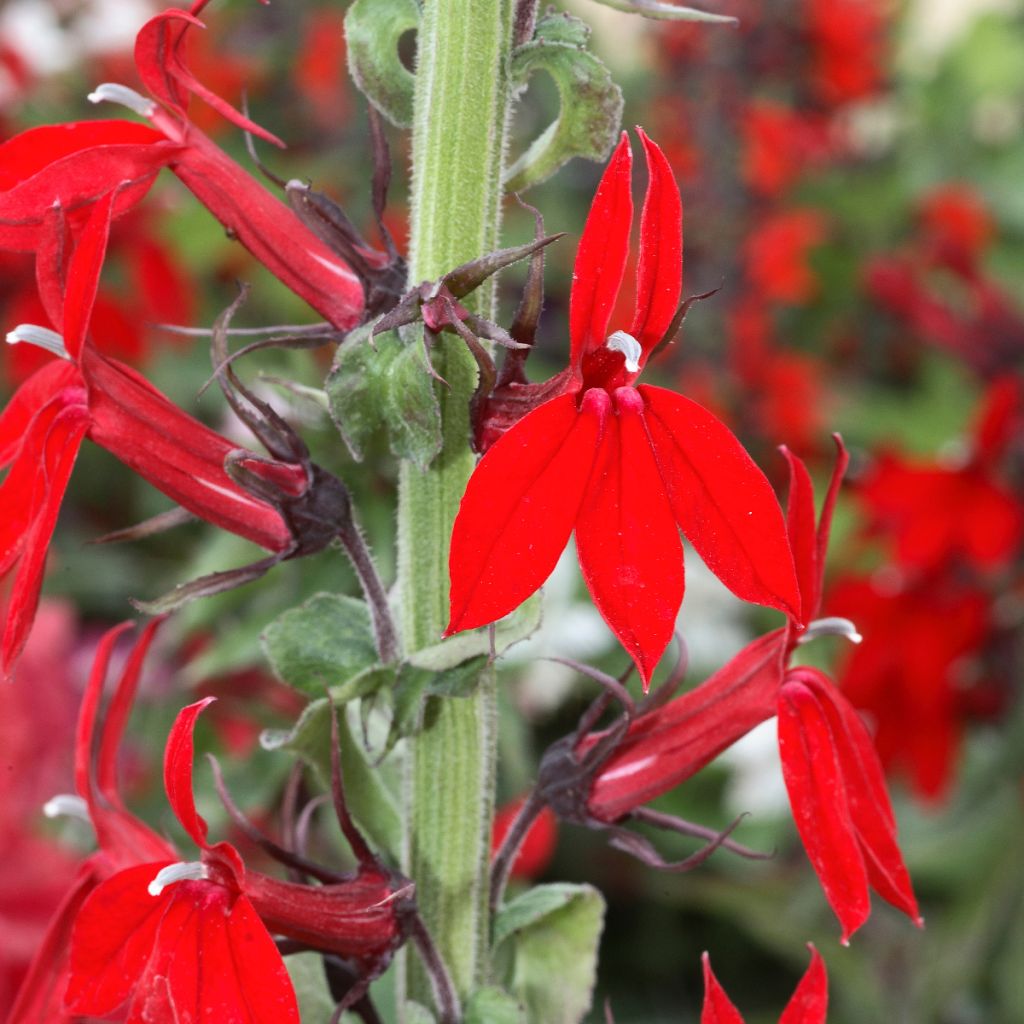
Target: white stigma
{"points": [[41, 337], [183, 871], [66, 805], [831, 626], [625, 343], [111, 92]]}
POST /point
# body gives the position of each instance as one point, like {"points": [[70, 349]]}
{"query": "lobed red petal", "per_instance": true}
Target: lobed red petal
{"points": [[601, 257], [178, 758], [809, 1003], [802, 531], [520, 506], [28, 402], [160, 58], [722, 502], [867, 795], [627, 540], [718, 1008], [112, 941], [83, 275], [659, 272], [818, 796]]}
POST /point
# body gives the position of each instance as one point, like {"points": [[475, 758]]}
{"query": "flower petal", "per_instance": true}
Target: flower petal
{"points": [[84, 274], [628, 542], [810, 1000], [213, 960], [178, 757], [722, 502], [718, 1008], [58, 453], [112, 941], [660, 269], [160, 58], [819, 800], [520, 507], [802, 531], [601, 256], [27, 402], [866, 792]]}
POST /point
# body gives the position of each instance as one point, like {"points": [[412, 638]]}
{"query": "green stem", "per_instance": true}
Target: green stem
{"points": [[461, 101]]}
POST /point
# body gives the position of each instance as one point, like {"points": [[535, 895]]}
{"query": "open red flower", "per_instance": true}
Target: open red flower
{"points": [[627, 467], [76, 164], [807, 1005], [937, 515], [84, 394], [833, 776]]}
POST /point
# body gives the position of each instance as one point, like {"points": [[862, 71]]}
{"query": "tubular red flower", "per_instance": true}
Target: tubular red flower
{"points": [[833, 776], [808, 1004], [88, 395], [625, 467]]}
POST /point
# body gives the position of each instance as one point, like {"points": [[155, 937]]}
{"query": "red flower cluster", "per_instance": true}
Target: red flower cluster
{"points": [[625, 466], [118, 935]]}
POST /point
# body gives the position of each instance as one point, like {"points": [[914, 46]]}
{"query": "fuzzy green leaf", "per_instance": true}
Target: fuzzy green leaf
{"points": [[493, 1006], [373, 29], [316, 1006], [369, 799], [547, 940], [322, 644], [590, 102], [412, 412]]}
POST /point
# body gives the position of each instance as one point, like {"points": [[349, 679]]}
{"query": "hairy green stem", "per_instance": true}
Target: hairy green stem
{"points": [[460, 113]]}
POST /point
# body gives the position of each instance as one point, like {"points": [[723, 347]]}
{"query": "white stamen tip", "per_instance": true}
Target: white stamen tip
{"points": [[183, 871], [831, 626], [66, 805], [112, 92], [41, 337], [625, 343]]}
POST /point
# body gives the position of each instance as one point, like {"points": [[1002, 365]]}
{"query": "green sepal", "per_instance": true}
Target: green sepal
{"points": [[325, 643], [493, 1006], [590, 110], [545, 945], [658, 10], [379, 383], [373, 29], [369, 799]]}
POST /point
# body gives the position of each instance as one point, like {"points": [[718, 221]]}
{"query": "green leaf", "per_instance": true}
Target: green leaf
{"points": [[310, 983], [412, 412], [323, 643], [370, 801], [547, 939], [414, 685], [417, 1013], [373, 29], [383, 383], [661, 11], [493, 1006], [590, 102], [523, 622]]}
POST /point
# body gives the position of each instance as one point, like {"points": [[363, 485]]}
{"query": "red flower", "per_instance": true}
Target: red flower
{"points": [[937, 515], [958, 227], [776, 253], [177, 948], [537, 847], [123, 840], [908, 674], [833, 777], [807, 1006], [75, 164], [624, 466], [778, 145], [846, 39], [86, 394]]}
